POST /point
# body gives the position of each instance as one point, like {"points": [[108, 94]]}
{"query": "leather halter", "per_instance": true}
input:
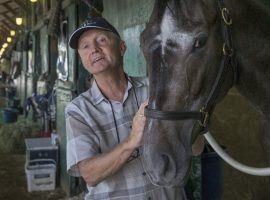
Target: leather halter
{"points": [[228, 58]]}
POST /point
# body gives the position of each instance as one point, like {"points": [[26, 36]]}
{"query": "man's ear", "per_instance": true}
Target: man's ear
{"points": [[123, 47]]}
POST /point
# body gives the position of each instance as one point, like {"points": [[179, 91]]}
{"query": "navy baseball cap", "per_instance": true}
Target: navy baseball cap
{"points": [[94, 22]]}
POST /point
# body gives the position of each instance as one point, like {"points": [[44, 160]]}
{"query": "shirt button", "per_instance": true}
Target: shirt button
{"points": [[130, 126], [144, 173], [149, 198]]}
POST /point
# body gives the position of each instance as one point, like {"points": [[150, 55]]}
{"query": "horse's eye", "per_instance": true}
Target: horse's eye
{"points": [[200, 41]]}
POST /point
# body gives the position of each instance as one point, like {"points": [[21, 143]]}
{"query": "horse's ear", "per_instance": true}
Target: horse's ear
{"points": [[211, 7]]}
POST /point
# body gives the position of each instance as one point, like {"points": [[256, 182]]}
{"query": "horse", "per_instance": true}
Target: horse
{"points": [[195, 51]]}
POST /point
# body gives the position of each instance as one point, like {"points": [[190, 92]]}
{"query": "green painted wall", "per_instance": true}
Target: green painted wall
{"points": [[29, 85], [63, 96], [65, 93], [24, 76], [130, 17], [44, 49], [71, 13], [23, 87], [81, 72], [53, 59]]}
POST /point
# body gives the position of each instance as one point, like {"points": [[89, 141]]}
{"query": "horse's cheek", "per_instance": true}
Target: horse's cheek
{"points": [[195, 82]]}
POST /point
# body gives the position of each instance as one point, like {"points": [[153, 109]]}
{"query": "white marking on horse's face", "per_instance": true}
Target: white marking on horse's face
{"points": [[169, 31]]}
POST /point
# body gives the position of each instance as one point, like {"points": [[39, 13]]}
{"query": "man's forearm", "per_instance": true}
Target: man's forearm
{"points": [[96, 169]]}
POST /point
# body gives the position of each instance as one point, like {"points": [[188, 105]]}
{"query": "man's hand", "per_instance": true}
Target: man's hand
{"points": [[135, 138]]}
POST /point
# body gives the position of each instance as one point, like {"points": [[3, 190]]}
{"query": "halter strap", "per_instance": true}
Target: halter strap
{"points": [[228, 59]]}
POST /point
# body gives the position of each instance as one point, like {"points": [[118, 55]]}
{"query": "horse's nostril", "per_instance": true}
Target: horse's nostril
{"points": [[168, 167], [166, 160]]}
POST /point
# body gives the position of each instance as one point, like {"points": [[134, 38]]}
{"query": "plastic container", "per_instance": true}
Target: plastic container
{"points": [[40, 177], [10, 115], [40, 149], [212, 175]]}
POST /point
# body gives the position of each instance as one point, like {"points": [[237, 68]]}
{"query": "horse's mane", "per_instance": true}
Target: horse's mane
{"points": [[263, 4], [184, 8], [183, 11]]}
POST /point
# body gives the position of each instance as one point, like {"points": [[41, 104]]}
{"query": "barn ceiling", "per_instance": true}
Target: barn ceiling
{"points": [[9, 10]]}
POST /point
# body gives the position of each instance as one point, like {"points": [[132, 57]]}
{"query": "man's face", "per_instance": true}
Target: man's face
{"points": [[100, 51]]}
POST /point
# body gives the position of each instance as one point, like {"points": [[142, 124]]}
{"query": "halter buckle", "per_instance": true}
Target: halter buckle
{"points": [[205, 117], [226, 16], [227, 50]]}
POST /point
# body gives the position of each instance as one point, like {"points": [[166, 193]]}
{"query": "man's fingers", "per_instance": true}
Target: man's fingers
{"points": [[140, 112], [143, 105]]}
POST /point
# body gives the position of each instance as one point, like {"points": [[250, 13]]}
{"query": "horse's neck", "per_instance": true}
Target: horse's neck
{"points": [[251, 37]]}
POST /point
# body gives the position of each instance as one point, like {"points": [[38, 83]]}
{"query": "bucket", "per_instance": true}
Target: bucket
{"points": [[212, 174], [41, 176], [9, 115]]}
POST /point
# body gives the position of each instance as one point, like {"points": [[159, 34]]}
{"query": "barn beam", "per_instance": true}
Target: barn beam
{"points": [[9, 8], [21, 4], [11, 21], [5, 26], [3, 33]]}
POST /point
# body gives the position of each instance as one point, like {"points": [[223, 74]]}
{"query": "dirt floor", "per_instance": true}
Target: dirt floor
{"points": [[13, 181]]}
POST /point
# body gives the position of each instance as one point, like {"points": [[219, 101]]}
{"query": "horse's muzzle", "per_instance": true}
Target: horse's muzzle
{"points": [[165, 159]]}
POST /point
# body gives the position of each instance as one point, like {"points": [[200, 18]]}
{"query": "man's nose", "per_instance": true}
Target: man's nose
{"points": [[94, 48]]}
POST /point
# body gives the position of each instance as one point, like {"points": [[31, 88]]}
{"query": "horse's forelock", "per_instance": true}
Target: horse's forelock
{"points": [[192, 11], [185, 12]]}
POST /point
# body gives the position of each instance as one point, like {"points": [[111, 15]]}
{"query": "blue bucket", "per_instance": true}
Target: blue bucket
{"points": [[10, 115], [212, 175]]}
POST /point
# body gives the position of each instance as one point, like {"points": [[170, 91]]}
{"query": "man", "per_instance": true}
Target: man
{"points": [[105, 124]]}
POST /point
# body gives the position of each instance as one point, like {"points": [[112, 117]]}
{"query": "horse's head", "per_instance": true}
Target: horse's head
{"points": [[182, 45]]}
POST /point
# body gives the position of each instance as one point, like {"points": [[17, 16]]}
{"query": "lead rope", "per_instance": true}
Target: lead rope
{"points": [[234, 163]]}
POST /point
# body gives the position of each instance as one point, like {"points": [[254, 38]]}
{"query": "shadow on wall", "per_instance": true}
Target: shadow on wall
{"points": [[236, 125]]}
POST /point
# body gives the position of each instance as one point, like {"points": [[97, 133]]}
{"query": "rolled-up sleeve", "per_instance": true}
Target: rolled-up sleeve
{"points": [[82, 143]]}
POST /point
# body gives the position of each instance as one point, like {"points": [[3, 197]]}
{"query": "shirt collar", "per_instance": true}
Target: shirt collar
{"points": [[97, 95]]}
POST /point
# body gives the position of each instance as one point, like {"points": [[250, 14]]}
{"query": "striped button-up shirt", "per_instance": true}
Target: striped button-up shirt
{"points": [[94, 126]]}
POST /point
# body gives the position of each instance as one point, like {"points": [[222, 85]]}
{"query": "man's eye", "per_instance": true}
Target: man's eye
{"points": [[102, 40], [84, 46]]}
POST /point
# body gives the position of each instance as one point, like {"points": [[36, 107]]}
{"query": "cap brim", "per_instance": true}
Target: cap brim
{"points": [[75, 36]]}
